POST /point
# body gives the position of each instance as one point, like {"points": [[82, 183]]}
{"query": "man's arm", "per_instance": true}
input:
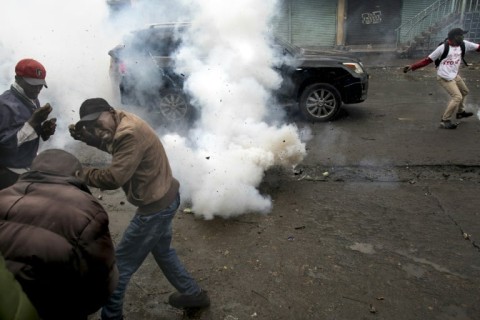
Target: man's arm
{"points": [[127, 154], [420, 64], [25, 134], [81, 134], [471, 46], [9, 128], [13, 133]]}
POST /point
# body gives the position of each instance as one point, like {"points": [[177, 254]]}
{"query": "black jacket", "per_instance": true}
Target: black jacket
{"points": [[55, 239], [15, 110]]}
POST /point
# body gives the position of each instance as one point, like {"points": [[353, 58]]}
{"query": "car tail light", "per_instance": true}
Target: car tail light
{"points": [[354, 66], [122, 68]]}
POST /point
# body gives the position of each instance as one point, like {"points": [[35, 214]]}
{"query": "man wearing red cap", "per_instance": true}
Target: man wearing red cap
{"points": [[448, 56], [23, 121]]}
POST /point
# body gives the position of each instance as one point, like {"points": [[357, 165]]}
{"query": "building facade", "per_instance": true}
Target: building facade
{"points": [[371, 24]]}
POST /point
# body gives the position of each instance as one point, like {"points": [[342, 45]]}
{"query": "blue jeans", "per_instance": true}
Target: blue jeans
{"points": [[145, 234]]}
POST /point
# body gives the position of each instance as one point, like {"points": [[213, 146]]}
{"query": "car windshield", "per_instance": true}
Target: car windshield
{"points": [[153, 41]]}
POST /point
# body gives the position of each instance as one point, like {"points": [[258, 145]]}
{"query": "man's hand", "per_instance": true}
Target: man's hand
{"points": [[39, 115], [407, 68], [76, 134], [82, 134], [48, 128]]}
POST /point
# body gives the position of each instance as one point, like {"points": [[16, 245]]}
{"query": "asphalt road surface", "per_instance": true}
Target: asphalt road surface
{"points": [[381, 220]]}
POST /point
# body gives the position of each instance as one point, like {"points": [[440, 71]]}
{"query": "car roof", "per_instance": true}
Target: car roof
{"points": [[160, 28], [169, 25]]}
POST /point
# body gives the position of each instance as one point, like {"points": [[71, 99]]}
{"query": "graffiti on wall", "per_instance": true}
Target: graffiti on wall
{"points": [[372, 17]]}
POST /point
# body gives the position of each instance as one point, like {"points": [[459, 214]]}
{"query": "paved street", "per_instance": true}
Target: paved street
{"points": [[391, 232]]}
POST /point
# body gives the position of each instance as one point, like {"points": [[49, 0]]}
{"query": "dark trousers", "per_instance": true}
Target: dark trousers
{"points": [[7, 178]]}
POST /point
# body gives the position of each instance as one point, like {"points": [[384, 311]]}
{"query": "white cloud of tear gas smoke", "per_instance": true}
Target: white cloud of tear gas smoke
{"points": [[221, 162], [230, 77], [71, 40], [220, 173]]}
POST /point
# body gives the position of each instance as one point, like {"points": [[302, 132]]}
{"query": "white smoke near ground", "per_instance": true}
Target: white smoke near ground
{"points": [[473, 108], [229, 61], [222, 160]]}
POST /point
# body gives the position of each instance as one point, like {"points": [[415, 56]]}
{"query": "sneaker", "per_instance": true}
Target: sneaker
{"points": [[181, 301], [464, 114], [447, 124]]}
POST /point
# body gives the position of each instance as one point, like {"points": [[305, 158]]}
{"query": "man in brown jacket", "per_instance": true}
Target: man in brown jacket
{"points": [[141, 168], [55, 239]]}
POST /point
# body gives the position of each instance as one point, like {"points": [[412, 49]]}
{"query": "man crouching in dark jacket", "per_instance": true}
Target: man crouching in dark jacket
{"points": [[55, 239]]}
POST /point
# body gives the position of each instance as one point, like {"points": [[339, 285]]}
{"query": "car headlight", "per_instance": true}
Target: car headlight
{"points": [[354, 66]]}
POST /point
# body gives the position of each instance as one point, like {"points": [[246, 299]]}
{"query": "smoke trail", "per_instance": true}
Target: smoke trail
{"points": [[222, 160], [229, 63]]}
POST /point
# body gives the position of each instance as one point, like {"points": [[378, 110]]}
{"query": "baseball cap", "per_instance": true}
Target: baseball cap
{"points": [[32, 71], [92, 108], [456, 32]]}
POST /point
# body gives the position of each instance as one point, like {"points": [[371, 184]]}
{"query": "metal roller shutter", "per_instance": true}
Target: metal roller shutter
{"points": [[314, 23], [307, 23], [281, 21], [410, 9], [372, 21]]}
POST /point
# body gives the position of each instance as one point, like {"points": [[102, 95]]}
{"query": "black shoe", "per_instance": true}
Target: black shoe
{"points": [[447, 124], [464, 114], [182, 301]]}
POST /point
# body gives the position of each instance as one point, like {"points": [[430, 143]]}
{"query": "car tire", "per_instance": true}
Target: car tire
{"points": [[320, 102], [173, 107]]}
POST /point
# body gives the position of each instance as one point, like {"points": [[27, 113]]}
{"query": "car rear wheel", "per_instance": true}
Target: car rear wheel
{"points": [[172, 106], [320, 102]]}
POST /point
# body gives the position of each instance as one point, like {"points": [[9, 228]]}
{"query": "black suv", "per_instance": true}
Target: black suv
{"points": [[317, 83]]}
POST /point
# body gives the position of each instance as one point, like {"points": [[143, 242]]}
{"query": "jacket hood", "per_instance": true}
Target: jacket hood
{"points": [[57, 161], [47, 177]]}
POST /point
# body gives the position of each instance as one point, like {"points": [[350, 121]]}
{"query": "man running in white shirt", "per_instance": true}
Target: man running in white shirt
{"points": [[447, 74]]}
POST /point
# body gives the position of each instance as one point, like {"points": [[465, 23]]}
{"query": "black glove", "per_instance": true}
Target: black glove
{"points": [[74, 133], [407, 68], [82, 134], [48, 128], [38, 116]]}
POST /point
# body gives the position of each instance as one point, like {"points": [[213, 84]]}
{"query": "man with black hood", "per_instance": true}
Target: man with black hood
{"points": [[23, 121], [449, 56], [55, 238]]}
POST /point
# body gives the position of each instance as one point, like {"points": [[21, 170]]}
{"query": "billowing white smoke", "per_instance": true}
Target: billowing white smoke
{"points": [[70, 39], [230, 77], [221, 163]]}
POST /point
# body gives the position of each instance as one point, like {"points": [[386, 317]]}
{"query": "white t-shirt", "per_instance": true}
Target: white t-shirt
{"points": [[448, 68]]}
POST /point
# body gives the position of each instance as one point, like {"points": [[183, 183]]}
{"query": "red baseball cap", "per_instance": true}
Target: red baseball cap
{"points": [[32, 71]]}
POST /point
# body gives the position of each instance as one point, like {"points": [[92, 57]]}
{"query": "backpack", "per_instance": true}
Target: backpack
{"points": [[445, 52]]}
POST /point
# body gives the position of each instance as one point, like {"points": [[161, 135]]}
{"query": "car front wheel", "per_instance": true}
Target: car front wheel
{"points": [[320, 102]]}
